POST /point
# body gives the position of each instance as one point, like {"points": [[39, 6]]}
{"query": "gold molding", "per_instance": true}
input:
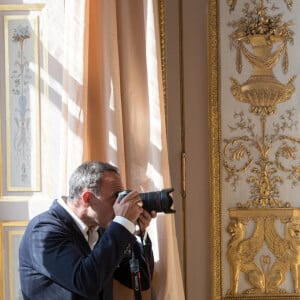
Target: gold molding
{"points": [[5, 225], [20, 7], [290, 297], [214, 153], [162, 32], [11, 260]]}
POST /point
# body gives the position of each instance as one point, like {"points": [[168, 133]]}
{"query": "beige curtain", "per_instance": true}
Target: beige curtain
{"points": [[125, 117], [106, 103]]}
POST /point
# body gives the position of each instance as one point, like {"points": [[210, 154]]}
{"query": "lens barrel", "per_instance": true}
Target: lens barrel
{"points": [[159, 201]]}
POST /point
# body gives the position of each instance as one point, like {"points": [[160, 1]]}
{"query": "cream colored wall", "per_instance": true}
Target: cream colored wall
{"points": [[187, 96]]}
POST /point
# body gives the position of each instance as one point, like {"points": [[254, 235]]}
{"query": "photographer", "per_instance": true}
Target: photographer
{"points": [[84, 241]]}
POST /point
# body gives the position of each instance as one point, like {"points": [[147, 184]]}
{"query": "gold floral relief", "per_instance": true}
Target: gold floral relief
{"points": [[255, 150]]}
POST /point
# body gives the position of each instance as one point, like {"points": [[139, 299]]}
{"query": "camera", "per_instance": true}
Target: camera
{"points": [[159, 201]]}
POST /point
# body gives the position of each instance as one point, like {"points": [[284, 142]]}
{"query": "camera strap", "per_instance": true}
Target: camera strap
{"points": [[135, 270], [135, 277], [143, 237], [153, 295]]}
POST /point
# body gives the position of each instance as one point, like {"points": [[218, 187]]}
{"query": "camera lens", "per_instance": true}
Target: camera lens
{"points": [[159, 201]]}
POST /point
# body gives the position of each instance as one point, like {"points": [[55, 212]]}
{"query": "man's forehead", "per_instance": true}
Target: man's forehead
{"points": [[111, 177]]}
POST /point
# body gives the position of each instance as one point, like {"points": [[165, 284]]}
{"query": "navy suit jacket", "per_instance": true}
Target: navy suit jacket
{"points": [[56, 262]]}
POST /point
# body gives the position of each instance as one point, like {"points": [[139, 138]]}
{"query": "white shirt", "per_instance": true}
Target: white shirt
{"points": [[82, 226], [92, 237]]}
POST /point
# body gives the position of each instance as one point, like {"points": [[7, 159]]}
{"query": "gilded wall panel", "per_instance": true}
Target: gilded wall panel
{"points": [[254, 151]]}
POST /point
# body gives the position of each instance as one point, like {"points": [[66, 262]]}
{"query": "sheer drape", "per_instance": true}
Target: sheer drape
{"points": [[112, 109], [63, 76]]}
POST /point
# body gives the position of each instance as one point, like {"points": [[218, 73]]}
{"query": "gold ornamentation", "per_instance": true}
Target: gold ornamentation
{"points": [[231, 4], [241, 253], [162, 42], [256, 22], [264, 243], [277, 152], [262, 90], [292, 230], [289, 4], [262, 93], [214, 152], [264, 270]]}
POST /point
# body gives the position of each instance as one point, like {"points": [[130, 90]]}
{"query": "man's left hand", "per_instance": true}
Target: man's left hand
{"points": [[145, 219]]}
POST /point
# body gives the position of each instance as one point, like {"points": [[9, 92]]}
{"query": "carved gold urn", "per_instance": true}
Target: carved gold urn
{"points": [[262, 90]]}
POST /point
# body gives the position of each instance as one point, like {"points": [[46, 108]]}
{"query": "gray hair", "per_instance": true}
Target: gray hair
{"points": [[88, 176]]}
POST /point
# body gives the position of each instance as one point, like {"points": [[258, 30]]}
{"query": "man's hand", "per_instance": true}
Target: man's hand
{"points": [[145, 219], [130, 207]]}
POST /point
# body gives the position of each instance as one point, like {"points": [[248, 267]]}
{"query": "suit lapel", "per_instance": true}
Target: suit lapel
{"points": [[71, 226]]}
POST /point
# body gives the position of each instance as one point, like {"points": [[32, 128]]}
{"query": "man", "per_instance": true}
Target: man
{"points": [[57, 259]]}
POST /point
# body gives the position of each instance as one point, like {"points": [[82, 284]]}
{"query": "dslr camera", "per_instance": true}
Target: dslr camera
{"points": [[159, 201]]}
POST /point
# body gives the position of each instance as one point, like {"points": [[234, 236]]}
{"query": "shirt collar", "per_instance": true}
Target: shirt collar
{"points": [[83, 227]]}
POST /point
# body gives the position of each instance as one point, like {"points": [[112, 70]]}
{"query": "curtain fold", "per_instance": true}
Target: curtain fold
{"points": [[125, 118]]}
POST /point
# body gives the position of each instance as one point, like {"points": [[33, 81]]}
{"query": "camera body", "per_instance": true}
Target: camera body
{"points": [[159, 201]]}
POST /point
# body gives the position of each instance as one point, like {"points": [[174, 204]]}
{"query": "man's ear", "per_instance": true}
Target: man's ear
{"points": [[86, 197]]}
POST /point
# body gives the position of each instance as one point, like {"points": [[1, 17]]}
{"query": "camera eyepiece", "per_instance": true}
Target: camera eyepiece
{"points": [[159, 201]]}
